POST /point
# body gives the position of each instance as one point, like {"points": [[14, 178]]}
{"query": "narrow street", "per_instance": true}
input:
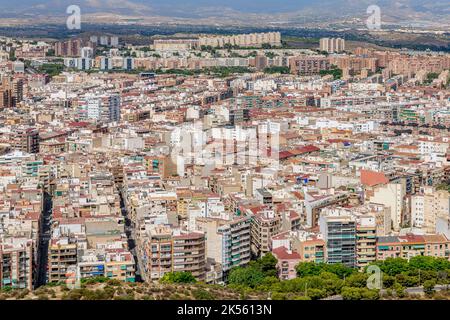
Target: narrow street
{"points": [[44, 239], [129, 231]]}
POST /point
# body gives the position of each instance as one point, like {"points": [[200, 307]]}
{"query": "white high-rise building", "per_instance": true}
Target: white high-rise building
{"points": [[104, 108], [392, 195], [332, 45], [84, 63], [104, 40], [114, 41], [87, 52], [106, 63], [427, 206]]}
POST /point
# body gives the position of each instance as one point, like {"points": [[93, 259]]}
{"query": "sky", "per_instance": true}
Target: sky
{"points": [[206, 7], [257, 6]]}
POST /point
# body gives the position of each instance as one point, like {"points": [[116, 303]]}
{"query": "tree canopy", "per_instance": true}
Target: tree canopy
{"points": [[178, 277]]}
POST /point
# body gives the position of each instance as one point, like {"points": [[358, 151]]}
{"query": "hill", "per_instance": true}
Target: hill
{"points": [[238, 12]]}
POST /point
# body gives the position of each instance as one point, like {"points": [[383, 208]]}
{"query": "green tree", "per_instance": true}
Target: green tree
{"points": [[428, 287], [339, 269], [370, 294], [178, 277], [315, 293], [428, 263], [248, 276], [430, 77], [336, 73], [282, 70], [388, 281], [358, 280], [444, 186], [304, 269], [267, 265], [269, 284], [393, 266], [399, 290], [406, 280], [349, 293]]}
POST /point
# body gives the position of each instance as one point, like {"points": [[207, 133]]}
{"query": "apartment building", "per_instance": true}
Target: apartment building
{"points": [[308, 65], [310, 246], [392, 195], [339, 233], [120, 265], [354, 64], [70, 48], [332, 45], [286, 263], [189, 254], [411, 245], [412, 64], [156, 253], [165, 250], [62, 255], [366, 239], [11, 91], [242, 40], [265, 224], [228, 241], [103, 108], [17, 263], [26, 139], [427, 206], [175, 44]]}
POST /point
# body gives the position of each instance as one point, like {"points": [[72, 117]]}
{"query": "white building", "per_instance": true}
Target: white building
{"points": [[103, 109], [392, 195]]}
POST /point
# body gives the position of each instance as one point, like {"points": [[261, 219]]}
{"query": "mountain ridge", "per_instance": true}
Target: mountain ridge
{"points": [[400, 11]]}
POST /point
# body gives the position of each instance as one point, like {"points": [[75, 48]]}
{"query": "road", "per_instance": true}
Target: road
{"points": [[416, 290], [44, 239], [412, 290], [129, 231]]}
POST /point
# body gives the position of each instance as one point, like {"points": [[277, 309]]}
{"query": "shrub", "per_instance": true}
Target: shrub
{"points": [[178, 277], [349, 293], [95, 280], [114, 282], [399, 290], [370, 294], [202, 294], [316, 294], [428, 287]]}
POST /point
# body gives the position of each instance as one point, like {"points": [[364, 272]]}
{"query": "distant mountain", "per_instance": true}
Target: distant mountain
{"points": [[392, 11]]}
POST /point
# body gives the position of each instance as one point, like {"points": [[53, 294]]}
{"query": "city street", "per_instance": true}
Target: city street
{"points": [[44, 239], [129, 231]]}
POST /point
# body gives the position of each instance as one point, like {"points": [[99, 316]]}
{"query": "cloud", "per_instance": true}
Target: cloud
{"points": [[94, 3], [117, 4]]}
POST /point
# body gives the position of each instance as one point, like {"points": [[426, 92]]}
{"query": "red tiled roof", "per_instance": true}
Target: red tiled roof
{"points": [[298, 195], [281, 253], [306, 149], [412, 238], [79, 124], [372, 178], [285, 155], [32, 216], [297, 151]]}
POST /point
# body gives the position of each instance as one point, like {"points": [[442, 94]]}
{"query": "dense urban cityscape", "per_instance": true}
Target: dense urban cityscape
{"points": [[238, 164]]}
